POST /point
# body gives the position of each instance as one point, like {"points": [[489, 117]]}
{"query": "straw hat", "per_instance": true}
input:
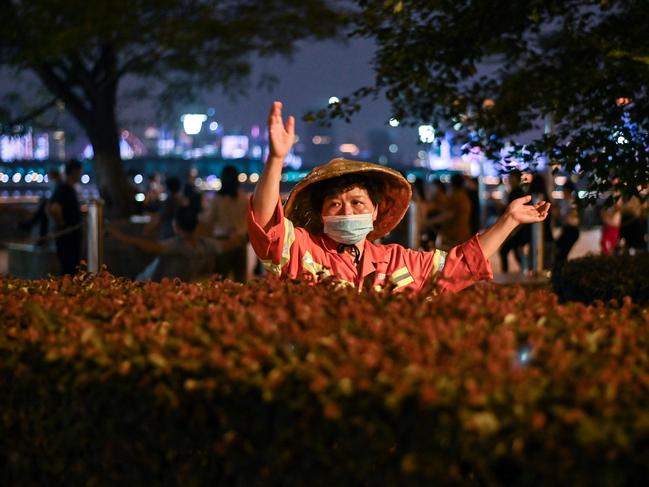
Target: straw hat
{"points": [[393, 205]]}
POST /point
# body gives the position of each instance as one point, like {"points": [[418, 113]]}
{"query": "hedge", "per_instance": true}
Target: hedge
{"points": [[104, 381], [599, 277]]}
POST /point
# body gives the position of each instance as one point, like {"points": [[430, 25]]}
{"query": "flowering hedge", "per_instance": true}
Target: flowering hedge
{"points": [[604, 277], [106, 381]]}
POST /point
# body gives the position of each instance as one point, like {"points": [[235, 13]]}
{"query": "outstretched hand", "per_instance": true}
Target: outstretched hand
{"points": [[281, 135], [521, 212]]}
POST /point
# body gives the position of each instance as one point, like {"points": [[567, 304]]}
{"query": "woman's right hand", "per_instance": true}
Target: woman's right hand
{"points": [[281, 136]]}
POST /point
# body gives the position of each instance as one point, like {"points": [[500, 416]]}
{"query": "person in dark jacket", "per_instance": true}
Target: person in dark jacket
{"points": [[65, 211]]}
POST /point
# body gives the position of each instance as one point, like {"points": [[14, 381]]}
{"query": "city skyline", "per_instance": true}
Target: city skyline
{"points": [[319, 70]]}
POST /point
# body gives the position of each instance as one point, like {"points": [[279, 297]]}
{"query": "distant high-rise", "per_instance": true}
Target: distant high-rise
{"points": [[319, 144], [383, 148]]}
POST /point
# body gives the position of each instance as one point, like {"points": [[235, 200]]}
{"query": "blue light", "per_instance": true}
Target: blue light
{"points": [[524, 355]]}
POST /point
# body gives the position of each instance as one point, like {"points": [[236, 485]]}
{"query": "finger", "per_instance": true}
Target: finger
{"points": [[523, 199], [275, 112], [290, 125]]}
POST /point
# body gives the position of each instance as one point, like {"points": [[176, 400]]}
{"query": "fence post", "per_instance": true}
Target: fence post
{"points": [[95, 235]]}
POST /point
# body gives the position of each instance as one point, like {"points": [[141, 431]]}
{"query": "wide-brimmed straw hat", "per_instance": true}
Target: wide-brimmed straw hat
{"points": [[395, 197]]}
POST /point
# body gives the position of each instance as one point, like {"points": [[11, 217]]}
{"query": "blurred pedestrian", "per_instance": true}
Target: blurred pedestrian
{"points": [[225, 220], [471, 186], [40, 216], [436, 206], [192, 193], [185, 255], [422, 207], [454, 220], [634, 225], [152, 203], [65, 211], [539, 191], [611, 222], [521, 236], [567, 217], [162, 222]]}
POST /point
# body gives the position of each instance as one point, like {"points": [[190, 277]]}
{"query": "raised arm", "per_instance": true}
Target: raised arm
{"points": [[518, 212], [281, 139], [148, 246]]}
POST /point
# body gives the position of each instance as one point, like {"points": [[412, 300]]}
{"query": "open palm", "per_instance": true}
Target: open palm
{"points": [[281, 136], [521, 212]]}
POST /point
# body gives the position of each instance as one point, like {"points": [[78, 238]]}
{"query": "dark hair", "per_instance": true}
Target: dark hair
{"points": [[516, 173], [457, 181], [71, 166], [173, 184], [419, 187], [186, 218], [229, 181], [537, 185], [330, 187], [569, 186]]}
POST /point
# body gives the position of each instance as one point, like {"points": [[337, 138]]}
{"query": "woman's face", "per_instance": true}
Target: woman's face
{"points": [[354, 201]]}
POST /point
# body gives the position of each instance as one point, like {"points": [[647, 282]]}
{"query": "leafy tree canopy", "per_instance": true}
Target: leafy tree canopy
{"points": [[80, 51], [500, 69]]}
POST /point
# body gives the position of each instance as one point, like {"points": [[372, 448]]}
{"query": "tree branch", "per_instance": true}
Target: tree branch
{"points": [[59, 87], [31, 115]]}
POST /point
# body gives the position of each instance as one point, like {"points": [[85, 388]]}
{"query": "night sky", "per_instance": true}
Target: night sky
{"points": [[318, 71]]}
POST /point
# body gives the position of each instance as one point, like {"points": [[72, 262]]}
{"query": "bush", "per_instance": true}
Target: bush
{"points": [[604, 278], [104, 381]]}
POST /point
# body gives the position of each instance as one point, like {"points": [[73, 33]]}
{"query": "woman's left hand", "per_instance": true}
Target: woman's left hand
{"points": [[519, 211]]}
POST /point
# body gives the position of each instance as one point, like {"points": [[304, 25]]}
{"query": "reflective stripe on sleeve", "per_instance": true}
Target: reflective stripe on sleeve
{"points": [[401, 277], [289, 238], [318, 270], [439, 259]]}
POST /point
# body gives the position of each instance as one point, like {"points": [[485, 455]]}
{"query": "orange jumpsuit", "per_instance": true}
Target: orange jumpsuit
{"points": [[291, 251]]}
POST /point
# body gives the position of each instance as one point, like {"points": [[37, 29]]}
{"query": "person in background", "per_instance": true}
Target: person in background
{"points": [[454, 220], [192, 193], [40, 216], [422, 205], [162, 222], [334, 214], [437, 204], [567, 217], [634, 225], [185, 255], [611, 222], [521, 236], [152, 203], [65, 211], [539, 192], [225, 220], [471, 186]]}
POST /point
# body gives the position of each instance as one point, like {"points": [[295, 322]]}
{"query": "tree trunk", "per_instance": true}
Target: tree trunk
{"points": [[115, 188], [91, 97], [112, 182]]}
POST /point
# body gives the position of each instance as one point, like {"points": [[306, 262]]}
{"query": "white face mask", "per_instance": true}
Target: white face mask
{"points": [[348, 229]]}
